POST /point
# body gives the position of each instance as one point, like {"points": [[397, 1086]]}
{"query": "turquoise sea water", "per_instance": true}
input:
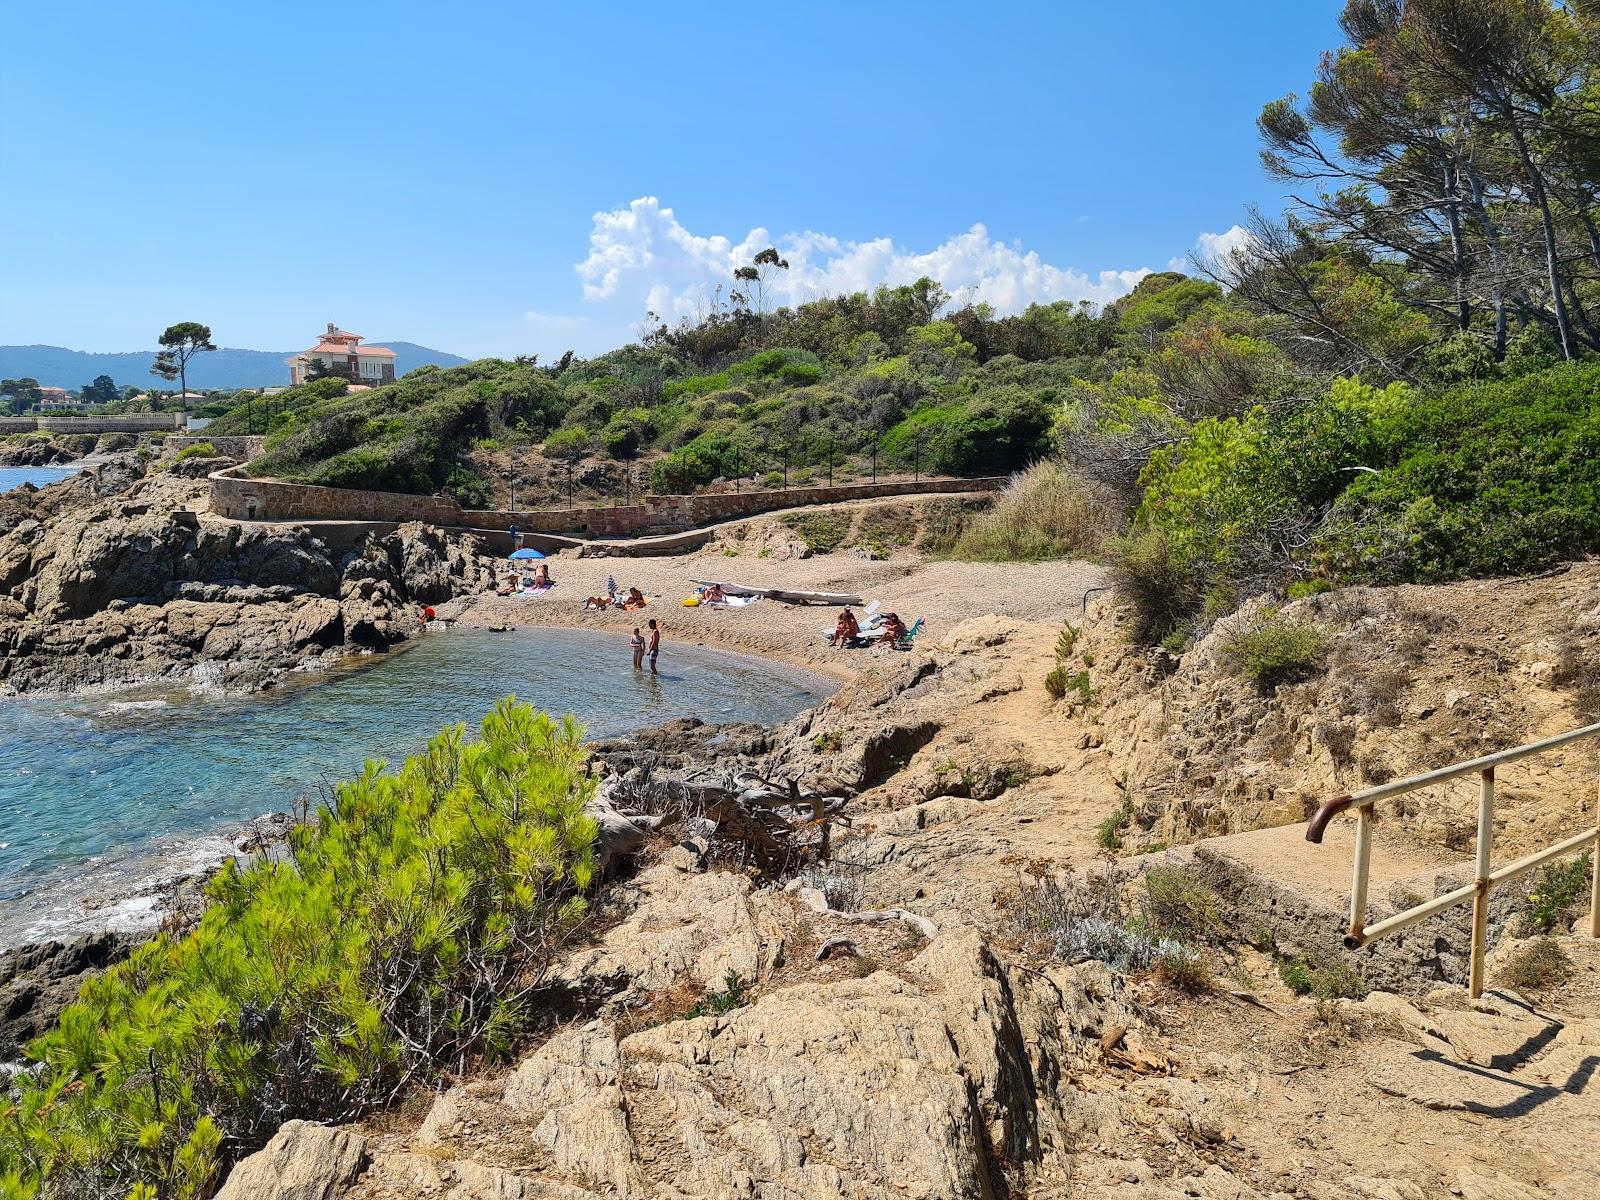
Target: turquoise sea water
{"points": [[10, 477], [100, 792]]}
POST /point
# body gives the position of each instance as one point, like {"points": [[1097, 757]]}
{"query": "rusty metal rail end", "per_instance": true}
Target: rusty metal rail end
{"points": [[1327, 811]]}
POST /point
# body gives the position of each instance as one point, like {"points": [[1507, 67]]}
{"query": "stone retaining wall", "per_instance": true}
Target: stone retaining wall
{"points": [[126, 423], [235, 495]]}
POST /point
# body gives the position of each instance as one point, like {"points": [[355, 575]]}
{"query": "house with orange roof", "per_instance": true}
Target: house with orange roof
{"points": [[340, 352]]}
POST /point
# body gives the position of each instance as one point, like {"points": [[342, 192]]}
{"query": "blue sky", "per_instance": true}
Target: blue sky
{"points": [[504, 178]]}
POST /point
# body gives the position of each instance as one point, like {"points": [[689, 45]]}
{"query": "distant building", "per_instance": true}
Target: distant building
{"points": [[341, 353], [58, 400]]}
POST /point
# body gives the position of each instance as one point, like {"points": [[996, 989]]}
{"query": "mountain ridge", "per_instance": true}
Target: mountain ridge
{"points": [[226, 367]]}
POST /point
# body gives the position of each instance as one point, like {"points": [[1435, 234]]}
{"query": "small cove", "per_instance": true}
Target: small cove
{"points": [[11, 477], [103, 795]]}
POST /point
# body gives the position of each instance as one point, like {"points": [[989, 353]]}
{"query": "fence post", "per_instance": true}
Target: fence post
{"points": [[1594, 879], [1359, 873], [1480, 898]]}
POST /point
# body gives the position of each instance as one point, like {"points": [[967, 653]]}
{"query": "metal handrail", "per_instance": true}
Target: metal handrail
{"points": [[1486, 874]]}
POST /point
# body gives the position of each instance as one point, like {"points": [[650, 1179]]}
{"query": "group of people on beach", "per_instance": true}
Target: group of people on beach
{"points": [[632, 601], [847, 631], [516, 581]]}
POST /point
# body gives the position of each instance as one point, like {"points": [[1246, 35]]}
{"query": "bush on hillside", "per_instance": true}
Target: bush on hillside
{"points": [[1046, 512], [626, 433], [1161, 586], [407, 936], [568, 444], [408, 436], [993, 434], [1276, 651], [198, 450], [708, 457], [1490, 478]]}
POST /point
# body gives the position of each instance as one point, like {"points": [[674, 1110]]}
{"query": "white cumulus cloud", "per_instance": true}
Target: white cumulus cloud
{"points": [[1214, 247], [642, 257]]}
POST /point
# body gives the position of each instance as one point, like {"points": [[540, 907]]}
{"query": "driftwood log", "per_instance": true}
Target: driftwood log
{"points": [[775, 824]]}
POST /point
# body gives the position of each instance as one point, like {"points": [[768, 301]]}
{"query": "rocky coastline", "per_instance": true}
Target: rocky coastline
{"points": [[118, 577]]}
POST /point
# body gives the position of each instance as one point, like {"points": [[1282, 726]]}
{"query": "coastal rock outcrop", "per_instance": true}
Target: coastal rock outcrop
{"points": [[938, 1076], [117, 579], [1406, 679], [37, 981], [303, 1161]]}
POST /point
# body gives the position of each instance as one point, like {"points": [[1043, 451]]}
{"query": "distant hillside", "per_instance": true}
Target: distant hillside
{"points": [[56, 366]]}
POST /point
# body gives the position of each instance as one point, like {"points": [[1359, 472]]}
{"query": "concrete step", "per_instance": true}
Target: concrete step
{"points": [[1277, 889]]}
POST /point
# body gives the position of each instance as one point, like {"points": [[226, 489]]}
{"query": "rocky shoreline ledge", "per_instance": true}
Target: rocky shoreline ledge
{"points": [[116, 578]]}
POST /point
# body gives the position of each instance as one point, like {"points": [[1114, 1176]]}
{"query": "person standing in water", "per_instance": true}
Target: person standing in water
{"points": [[637, 642], [655, 644]]}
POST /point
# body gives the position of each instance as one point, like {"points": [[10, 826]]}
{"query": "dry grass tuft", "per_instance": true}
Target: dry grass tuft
{"points": [[1537, 966], [1047, 512]]}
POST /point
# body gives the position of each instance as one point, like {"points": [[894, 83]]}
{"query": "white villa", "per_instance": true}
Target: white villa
{"points": [[342, 353]]}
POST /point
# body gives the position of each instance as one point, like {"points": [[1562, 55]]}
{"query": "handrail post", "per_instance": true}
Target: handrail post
{"points": [[1480, 897], [1594, 878], [1358, 877]]}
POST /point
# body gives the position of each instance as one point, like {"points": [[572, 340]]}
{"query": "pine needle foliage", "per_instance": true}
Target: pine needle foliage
{"points": [[406, 933]]}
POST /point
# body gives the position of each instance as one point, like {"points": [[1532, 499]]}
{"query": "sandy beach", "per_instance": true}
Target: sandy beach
{"points": [[941, 593]]}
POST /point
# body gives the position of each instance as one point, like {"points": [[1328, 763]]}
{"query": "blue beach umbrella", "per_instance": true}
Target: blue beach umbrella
{"points": [[526, 553]]}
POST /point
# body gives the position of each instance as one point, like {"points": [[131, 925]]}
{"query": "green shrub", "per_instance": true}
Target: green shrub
{"points": [[710, 456], [198, 450], [822, 532], [1296, 976], [1162, 589], [1557, 888], [993, 434], [626, 433], [1331, 979], [1108, 834], [569, 443], [1066, 641], [1276, 652], [1180, 903], [735, 993], [469, 490], [408, 935], [1060, 681], [1490, 478]]}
